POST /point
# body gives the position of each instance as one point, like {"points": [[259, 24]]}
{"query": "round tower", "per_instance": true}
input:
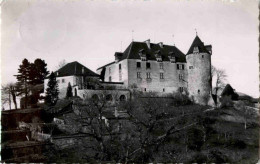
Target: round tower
{"points": [[199, 71]]}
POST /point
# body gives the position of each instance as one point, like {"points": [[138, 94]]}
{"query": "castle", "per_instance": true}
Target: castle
{"points": [[163, 69], [149, 67]]}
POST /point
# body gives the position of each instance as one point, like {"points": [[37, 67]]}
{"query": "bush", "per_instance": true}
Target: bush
{"points": [[199, 158], [226, 101], [195, 139], [180, 99], [236, 143], [218, 157]]}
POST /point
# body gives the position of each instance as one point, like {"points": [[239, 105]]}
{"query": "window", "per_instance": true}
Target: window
{"points": [[196, 50], [148, 75], [172, 59], [119, 66], [198, 91], [161, 65], [145, 89], [161, 76], [181, 89], [190, 67], [180, 77], [202, 56], [139, 75], [58, 81], [143, 58], [63, 80], [138, 65], [148, 65], [180, 66], [122, 98], [110, 78], [109, 69], [163, 90]]}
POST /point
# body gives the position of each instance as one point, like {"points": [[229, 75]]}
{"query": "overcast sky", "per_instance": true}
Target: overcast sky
{"points": [[91, 31]]}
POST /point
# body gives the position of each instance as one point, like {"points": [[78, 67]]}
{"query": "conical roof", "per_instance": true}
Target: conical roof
{"points": [[198, 43]]}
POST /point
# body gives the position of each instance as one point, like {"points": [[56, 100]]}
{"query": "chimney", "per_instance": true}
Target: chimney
{"points": [[148, 43], [161, 44]]}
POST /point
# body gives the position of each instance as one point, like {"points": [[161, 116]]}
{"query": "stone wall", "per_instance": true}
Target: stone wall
{"points": [[169, 84], [116, 94], [62, 85], [114, 72]]}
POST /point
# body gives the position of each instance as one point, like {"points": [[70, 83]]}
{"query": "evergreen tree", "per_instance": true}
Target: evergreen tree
{"points": [[23, 79], [38, 71], [69, 91], [52, 91]]}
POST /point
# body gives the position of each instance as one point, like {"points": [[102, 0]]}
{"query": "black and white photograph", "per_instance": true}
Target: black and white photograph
{"points": [[130, 81]]}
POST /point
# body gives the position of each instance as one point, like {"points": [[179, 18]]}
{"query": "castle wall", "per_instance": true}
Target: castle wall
{"points": [[114, 72], [170, 83], [116, 94], [199, 77]]}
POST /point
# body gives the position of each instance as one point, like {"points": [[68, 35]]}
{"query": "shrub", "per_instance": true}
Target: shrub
{"points": [[236, 143], [180, 99], [226, 102], [199, 158], [195, 139]]}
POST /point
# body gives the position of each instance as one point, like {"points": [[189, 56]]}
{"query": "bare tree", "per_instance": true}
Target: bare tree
{"points": [[219, 78], [245, 111], [61, 64], [139, 133], [9, 90]]}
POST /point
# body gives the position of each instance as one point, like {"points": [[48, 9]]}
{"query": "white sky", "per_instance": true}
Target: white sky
{"points": [[91, 31]]}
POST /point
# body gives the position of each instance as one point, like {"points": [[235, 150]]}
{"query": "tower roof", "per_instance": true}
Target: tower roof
{"points": [[198, 43]]}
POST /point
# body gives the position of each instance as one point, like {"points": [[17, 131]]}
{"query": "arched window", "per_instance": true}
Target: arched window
{"points": [[95, 97], [109, 97], [122, 98]]}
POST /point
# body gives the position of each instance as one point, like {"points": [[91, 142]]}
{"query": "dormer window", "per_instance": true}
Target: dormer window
{"points": [[172, 57], [196, 50], [142, 55], [158, 56], [148, 43], [161, 44]]}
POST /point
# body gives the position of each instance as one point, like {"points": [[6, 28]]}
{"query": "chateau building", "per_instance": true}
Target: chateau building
{"points": [[149, 67], [163, 68], [86, 83]]}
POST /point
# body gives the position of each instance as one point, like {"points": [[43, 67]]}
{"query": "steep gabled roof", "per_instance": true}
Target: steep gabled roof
{"points": [[133, 50], [74, 68], [198, 43], [228, 90]]}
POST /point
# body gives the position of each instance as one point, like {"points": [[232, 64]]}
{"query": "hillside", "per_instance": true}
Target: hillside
{"points": [[216, 135], [199, 134]]}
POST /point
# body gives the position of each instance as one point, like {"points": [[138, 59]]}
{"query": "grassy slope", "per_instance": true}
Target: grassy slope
{"points": [[227, 140]]}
